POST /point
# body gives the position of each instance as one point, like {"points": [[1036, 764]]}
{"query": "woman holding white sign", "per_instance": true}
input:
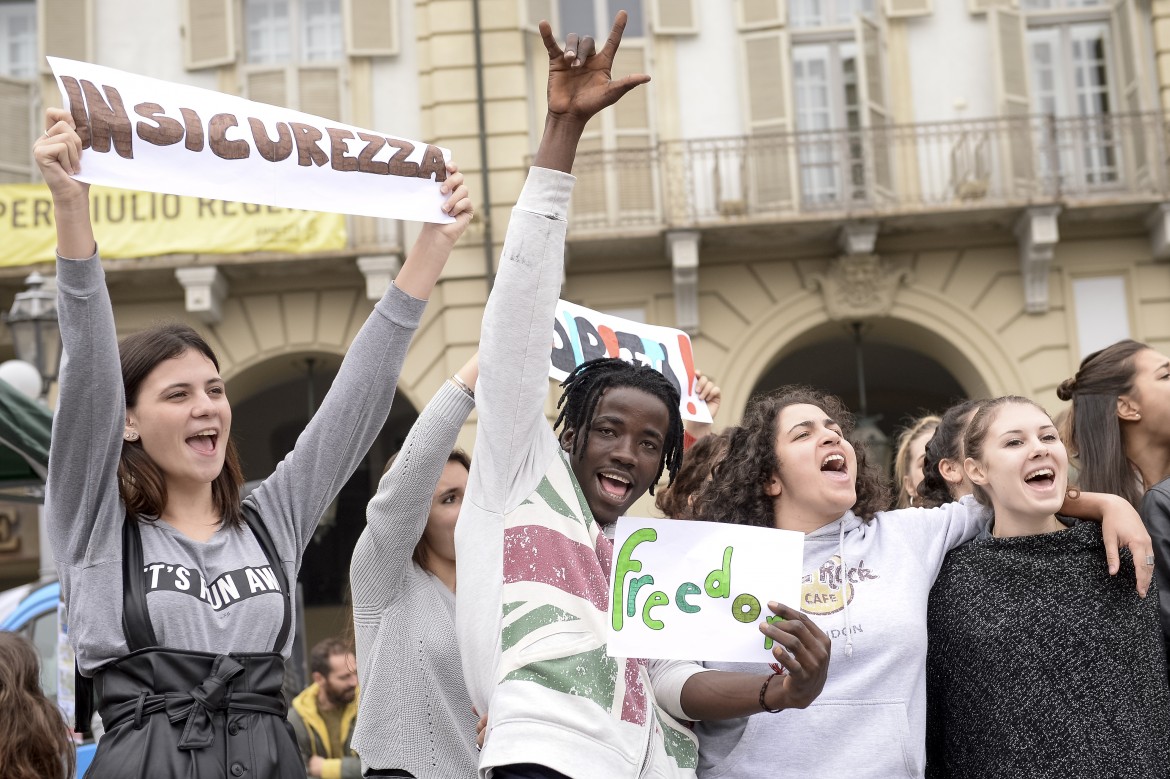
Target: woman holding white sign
{"points": [[1040, 664], [867, 575], [178, 593]]}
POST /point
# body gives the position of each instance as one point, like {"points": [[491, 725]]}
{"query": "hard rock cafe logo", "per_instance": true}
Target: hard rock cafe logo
{"points": [[825, 592]]}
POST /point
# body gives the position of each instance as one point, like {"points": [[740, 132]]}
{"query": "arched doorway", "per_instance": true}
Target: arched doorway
{"points": [[901, 382], [281, 391]]}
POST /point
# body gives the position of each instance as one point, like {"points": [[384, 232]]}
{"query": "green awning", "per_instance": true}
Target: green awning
{"points": [[25, 428]]}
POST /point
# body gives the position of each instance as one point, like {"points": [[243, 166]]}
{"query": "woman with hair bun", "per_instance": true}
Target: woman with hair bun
{"points": [[1119, 431], [943, 478], [1119, 426]]}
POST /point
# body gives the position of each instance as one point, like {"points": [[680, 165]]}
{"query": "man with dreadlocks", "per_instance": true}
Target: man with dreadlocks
{"points": [[531, 607]]}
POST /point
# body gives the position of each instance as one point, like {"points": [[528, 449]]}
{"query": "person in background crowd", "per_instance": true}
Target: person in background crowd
{"points": [[1040, 663], [531, 616], [867, 576], [323, 715], [909, 459], [178, 593], [943, 477], [675, 500], [415, 717], [1119, 427], [36, 742]]}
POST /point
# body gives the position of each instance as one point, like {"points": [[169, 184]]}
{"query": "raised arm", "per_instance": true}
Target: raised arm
{"points": [[397, 515], [83, 508], [518, 321], [294, 497]]}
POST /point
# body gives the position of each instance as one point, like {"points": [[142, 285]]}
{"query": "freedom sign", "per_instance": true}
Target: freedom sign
{"points": [[699, 590], [581, 334], [156, 136]]}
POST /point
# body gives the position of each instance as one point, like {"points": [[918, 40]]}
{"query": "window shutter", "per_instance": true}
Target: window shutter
{"points": [[371, 28], [534, 11], [761, 14], [268, 86], [675, 17], [319, 92], [16, 130], [1128, 52], [897, 8], [632, 127], [770, 164], [1009, 50], [983, 6], [64, 30], [875, 113], [209, 36]]}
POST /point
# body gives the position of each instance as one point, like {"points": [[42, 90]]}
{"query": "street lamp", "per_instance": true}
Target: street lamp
{"points": [[36, 333]]}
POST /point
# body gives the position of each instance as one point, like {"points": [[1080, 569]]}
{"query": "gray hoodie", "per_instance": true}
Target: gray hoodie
{"points": [[870, 721]]}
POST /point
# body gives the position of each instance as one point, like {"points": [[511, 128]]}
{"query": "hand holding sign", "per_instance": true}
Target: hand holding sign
{"points": [[581, 334], [696, 591], [802, 649]]}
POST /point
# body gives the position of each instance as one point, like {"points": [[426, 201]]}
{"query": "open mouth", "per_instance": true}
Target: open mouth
{"points": [[835, 464], [204, 442], [1041, 479], [614, 485]]}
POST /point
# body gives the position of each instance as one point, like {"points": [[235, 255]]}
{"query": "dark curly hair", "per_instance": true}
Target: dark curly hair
{"points": [[675, 501], [945, 444], [735, 494], [589, 381]]}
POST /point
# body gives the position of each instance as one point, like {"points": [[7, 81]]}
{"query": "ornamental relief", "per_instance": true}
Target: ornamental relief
{"points": [[858, 286]]}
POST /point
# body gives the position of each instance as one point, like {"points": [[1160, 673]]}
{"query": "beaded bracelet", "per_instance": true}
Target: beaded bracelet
{"points": [[763, 690]]}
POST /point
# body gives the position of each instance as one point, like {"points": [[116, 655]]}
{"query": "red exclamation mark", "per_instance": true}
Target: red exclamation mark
{"points": [[684, 346]]}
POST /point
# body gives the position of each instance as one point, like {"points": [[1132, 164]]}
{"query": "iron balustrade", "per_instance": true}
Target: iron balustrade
{"points": [[875, 171]]}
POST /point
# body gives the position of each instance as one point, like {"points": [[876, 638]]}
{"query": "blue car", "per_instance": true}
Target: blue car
{"points": [[35, 617]]}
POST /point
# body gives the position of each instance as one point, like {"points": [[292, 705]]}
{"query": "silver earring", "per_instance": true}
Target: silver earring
{"points": [[130, 435]]}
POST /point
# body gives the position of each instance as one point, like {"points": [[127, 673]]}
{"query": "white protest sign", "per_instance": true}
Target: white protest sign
{"points": [[699, 590], [581, 334], [145, 134]]}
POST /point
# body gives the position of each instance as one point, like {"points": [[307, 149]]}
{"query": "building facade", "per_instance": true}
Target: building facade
{"points": [[969, 195]]}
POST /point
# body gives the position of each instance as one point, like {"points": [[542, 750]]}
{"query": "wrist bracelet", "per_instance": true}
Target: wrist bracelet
{"points": [[764, 690], [461, 384]]}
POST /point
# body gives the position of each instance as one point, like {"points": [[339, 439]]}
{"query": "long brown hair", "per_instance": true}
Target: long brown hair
{"points": [[36, 741], [421, 550], [140, 481], [1094, 431], [735, 493]]}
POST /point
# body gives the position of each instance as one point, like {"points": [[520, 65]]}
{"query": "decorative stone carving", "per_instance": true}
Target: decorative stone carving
{"points": [[858, 286], [683, 248], [379, 270], [206, 289], [1038, 233]]}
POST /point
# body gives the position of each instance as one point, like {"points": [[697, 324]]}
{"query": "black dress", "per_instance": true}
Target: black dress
{"points": [[195, 715]]}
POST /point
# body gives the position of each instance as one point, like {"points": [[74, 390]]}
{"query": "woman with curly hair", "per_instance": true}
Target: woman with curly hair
{"points": [[36, 743], [867, 576]]}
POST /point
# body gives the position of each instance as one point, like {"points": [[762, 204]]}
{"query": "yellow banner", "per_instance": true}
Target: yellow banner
{"points": [[146, 224]]}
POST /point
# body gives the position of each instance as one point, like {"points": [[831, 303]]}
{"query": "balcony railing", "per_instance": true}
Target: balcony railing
{"points": [[898, 169]]}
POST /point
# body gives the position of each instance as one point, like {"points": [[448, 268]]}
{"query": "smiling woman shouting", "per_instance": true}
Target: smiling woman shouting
{"points": [[1040, 664], [178, 593]]}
